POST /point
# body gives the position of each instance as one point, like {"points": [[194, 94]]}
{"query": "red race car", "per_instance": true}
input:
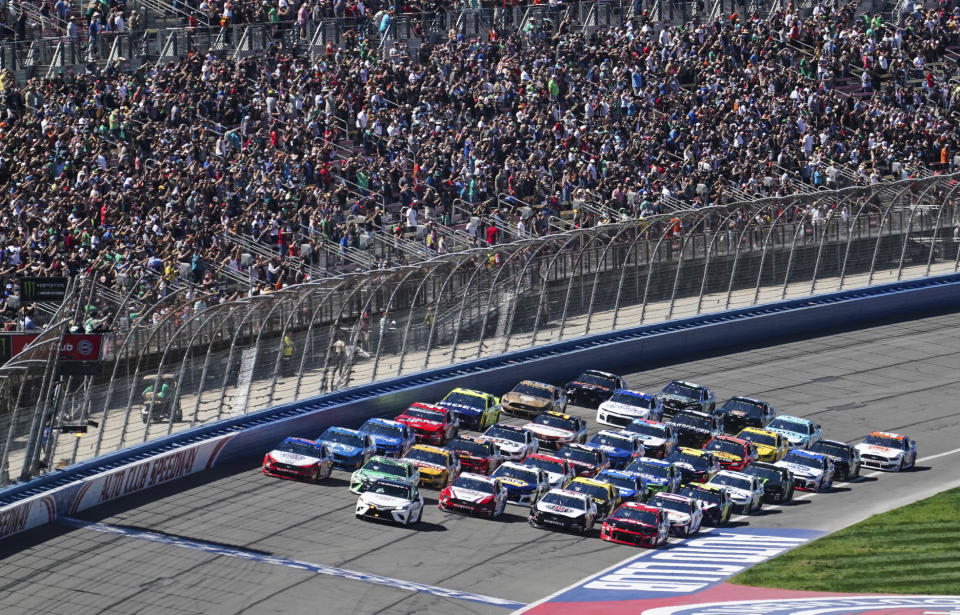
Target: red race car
{"points": [[732, 453], [637, 524], [431, 424], [476, 455]]}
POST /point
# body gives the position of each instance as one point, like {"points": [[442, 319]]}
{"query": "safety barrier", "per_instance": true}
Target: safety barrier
{"points": [[101, 480]]}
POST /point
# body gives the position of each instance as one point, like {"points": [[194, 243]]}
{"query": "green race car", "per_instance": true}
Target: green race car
{"points": [[383, 467]]}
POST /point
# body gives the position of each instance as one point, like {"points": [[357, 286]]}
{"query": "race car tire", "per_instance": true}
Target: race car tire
{"points": [[900, 467], [417, 520], [857, 473], [825, 487], [315, 477]]}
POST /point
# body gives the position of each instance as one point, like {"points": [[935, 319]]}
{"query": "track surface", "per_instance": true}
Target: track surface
{"points": [[900, 377]]}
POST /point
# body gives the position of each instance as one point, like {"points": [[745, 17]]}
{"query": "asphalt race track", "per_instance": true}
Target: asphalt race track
{"points": [[284, 547]]}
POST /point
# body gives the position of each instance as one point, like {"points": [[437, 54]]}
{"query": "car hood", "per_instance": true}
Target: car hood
{"points": [[343, 449], [800, 469], [883, 451], [793, 436], [556, 478], [461, 408], [557, 509], [678, 517], [587, 386], [765, 449], [528, 400], [639, 524], [507, 445], [612, 451], [293, 459], [727, 456], [688, 467], [421, 424], [654, 480], [624, 409], [427, 467], [468, 495], [651, 441], [677, 398], [380, 499], [547, 431], [386, 440], [517, 483], [738, 494]]}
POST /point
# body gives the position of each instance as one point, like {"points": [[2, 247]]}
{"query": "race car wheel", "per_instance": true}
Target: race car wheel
{"points": [[417, 520], [315, 477], [900, 467], [857, 473], [500, 508]]}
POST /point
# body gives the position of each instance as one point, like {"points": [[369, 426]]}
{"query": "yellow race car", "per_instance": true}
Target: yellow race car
{"points": [[605, 495], [438, 467], [771, 446]]}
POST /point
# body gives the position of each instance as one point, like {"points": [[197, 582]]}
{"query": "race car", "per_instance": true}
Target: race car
{"points": [[298, 458], [846, 457], [811, 471], [631, 485], [694, 429], [777, 482], [586, 461], [626, 405], [637, 524], [438, 466], [391, 500], [771, 446], [732, 453], [592, 388], [476, 454], [605, 495], [386, 468], [559, 471], [740, 412], [564, 510], [392, 438], [554, 429], [695, 465], [530, 398], [888, 451], [514, 443], [474, 410], [744, 490], [350, 448], [621, 448], [679, 395], [658, 474], [659, 439], [431, 424], [684, 513], [524, 484], [475, 494], [715, 502], [800, 433]]}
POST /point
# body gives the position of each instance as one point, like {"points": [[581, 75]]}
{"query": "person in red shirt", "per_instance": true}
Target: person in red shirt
{"points": [[491, 234]]}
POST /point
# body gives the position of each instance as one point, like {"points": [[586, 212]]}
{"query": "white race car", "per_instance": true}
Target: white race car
{"points": [[684, 513], [564, 510], [811, 471], [391, 500], [745, 491], [888, 451], [514, 443], [626, 405], [475, 494]]}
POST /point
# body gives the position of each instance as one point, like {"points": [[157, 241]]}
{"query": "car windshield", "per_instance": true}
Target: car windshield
{"points": [[742, 407], [767, 439], [562, 499], [578, 454], [682, 390], [704, 495], [669, 504], [559, 422], [648, 469], [396, 491], [532, 391], [386, 467], [697, 462], [634, 514], [463, 399], [692, 420], [724, 446], [380, 429], [425, 414], [830, 449], [623, 482], [505, 434], [765, 474], [299, 448], [646, 429], [610, 440], [883, 441], [434, 457], [544, 464], [468, 482], [591, 378], [788, 425], [529, 476], [803, 460], [632, 400], [595, 491], [732, 481], [340, 437], [480, 449]]}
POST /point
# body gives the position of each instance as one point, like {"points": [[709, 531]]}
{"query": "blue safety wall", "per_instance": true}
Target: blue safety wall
{"points": [[558, 362]]}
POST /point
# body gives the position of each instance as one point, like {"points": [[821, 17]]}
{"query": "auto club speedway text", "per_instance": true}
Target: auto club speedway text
{"points": [[694, 564], [160, 470]]}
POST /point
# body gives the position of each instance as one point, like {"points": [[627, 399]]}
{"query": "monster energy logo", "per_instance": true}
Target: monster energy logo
{"points": [[43, 289], [28, 290]]}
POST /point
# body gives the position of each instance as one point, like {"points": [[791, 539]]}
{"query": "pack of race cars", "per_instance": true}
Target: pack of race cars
{"points": [[665, 463]]}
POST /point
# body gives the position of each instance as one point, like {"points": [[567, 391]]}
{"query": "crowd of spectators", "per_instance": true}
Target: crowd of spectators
{"points": [[145, 178]]}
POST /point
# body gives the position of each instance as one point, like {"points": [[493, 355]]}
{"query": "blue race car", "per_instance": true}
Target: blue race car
{"points": [[350, 448], [631, 485], [393, 438], [800, 433], [660, 476], [621, 448], [524, 484]]}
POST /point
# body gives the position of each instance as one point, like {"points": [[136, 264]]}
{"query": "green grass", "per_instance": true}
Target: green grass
{"points": [[910, 550]]}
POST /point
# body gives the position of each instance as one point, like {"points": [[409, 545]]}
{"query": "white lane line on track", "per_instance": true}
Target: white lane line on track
{"points": [[343, 573]]}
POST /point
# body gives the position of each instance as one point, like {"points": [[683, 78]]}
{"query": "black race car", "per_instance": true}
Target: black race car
{"points": [[740, 412], [694, 429], [592, 388], [695, 465], [680, 395], [715, 502], [846, 457], [778, 483]]}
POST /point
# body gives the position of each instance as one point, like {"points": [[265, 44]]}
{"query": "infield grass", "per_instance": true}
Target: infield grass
{"points": [[910, 550]]}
